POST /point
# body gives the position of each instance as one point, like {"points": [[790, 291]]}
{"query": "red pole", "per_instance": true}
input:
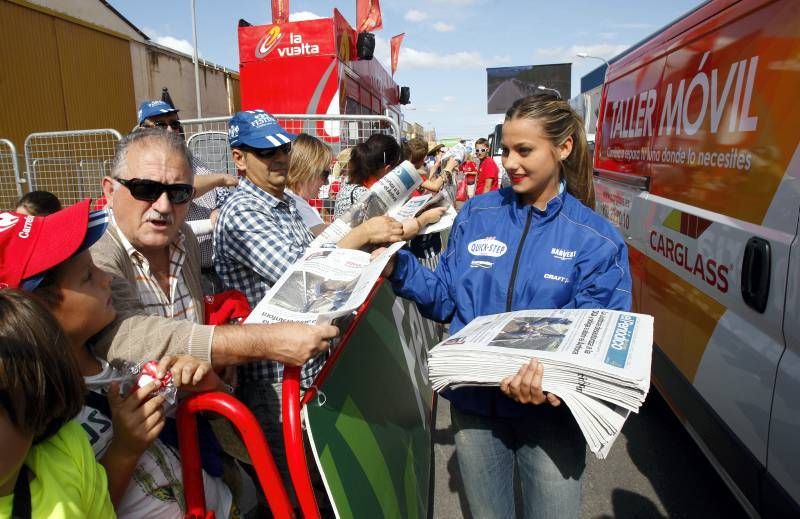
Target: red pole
{"points": [[293, 443], [252, 435]]}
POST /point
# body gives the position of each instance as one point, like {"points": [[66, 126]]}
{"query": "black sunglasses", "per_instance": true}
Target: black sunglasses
{"points": [[268, 153], [175, 125], [150, 190]]}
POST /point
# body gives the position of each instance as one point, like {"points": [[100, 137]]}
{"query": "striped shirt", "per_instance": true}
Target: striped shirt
{"points": [[178, 303], [256, 239]]}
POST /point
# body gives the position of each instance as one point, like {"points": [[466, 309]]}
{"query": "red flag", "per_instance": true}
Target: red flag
{"points": [[368, 15], [280, 11], [395, 43]]}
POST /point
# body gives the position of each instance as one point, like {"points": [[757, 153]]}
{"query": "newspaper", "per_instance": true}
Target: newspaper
{"points": [[323, 285], [597, 361], [387, 194]]}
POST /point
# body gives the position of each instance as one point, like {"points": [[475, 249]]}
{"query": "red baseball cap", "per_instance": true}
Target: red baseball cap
{"points": [[32, 245]]}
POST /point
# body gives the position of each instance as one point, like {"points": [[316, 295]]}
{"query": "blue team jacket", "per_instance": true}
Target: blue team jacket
{"points": [[504, 256]]}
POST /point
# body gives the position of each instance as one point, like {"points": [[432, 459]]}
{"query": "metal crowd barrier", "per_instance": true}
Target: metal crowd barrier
{"points": [[253, 437], [10, 180], [70, 164]]}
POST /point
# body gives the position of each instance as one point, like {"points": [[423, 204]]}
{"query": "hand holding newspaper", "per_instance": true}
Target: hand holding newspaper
{"points": [[596, 361]]}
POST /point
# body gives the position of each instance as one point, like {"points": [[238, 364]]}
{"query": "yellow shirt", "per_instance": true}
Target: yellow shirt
{"points": [[69, 483]]}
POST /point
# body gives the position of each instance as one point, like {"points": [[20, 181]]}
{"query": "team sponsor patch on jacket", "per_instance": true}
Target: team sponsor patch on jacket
{"points": [[554, 277], [480, 264], [487, 247], [563, 254]]}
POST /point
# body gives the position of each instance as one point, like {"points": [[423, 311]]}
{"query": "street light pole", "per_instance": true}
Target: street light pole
{"points": [[556, 92], [196, 63], [589, 56]]}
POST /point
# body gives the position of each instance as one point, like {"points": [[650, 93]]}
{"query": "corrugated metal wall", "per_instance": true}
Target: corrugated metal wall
{"points": [[58, 75]]}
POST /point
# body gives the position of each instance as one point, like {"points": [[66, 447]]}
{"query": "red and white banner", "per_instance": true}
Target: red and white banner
{"points": [[394, 44], [280, 11], [368, 15]]}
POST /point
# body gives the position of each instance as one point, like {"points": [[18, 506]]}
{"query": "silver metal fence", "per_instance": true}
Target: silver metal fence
{"points": [[338, 131], [207, 138], [10, 180], [70, 164]]}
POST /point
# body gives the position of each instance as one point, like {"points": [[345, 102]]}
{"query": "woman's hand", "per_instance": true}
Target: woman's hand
{"points": [[190, 373], [412, 226], [389, 268], [526, 386]]}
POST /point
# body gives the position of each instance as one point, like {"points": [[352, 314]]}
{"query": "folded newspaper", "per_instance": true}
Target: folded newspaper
{"points": [[596, 361], [323, 285], [386, 195]]}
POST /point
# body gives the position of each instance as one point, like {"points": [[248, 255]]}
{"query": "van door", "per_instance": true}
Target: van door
{"points": [[781, 485]]}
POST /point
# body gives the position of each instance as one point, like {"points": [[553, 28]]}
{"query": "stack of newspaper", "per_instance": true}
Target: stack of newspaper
{"points": [[596, 361]]}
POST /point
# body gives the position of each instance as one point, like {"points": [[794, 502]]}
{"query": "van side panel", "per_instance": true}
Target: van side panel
{"points": [[706, 118]]}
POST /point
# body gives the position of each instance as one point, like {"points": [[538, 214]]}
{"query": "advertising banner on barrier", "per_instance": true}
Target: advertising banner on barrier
{"points": [[371, 424]]}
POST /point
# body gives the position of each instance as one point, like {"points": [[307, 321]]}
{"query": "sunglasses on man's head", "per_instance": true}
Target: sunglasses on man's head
{"points": [[175, 125], [150, 190], [268, 153]]}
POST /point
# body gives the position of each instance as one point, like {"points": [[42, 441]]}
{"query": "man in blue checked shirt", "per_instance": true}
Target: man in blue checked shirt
{"points": [[258, 235]]}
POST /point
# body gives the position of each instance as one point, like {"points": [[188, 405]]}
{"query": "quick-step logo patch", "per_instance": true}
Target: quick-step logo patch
{"points": [[488, 246]]}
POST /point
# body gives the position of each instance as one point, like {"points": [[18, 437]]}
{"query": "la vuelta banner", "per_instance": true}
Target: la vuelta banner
{"points": [[368, 15], [371, 432], [395, 43], [280, 11]]}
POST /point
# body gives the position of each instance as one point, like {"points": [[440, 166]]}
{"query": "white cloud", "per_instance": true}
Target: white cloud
{"points": [[448, 99], [632, 25], [607, 35], [175, 43], [568, 54], [443, 27], [415, 59], [303, 15], [415, 16]]}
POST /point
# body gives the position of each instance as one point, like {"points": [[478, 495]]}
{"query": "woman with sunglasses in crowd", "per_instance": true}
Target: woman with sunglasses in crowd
{"points": [[369, 162], [499, 259]]}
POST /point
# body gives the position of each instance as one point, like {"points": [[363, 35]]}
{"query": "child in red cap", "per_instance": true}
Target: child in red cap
{"points": [[49, 257]]}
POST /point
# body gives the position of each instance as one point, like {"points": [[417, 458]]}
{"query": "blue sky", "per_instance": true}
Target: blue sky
{"points": [[448, 44]]}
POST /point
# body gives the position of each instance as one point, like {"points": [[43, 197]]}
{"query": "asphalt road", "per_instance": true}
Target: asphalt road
{"points": [[654, 470]]}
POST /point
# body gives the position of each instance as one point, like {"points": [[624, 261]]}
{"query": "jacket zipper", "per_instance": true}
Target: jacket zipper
{"points": [[516, 260]]}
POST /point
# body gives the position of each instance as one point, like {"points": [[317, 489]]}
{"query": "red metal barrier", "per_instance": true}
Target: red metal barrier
{"points": [[292, 428], [293, 442], [252, 435]]}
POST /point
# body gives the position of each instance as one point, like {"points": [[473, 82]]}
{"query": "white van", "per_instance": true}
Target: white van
{"points": [[697, 161]]}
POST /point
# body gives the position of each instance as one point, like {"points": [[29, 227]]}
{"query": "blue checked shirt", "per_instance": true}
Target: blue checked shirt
{"points": [[258, 237]]}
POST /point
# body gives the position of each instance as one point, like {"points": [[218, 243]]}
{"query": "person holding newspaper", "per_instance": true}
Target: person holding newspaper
{"points": [[534, 245]]}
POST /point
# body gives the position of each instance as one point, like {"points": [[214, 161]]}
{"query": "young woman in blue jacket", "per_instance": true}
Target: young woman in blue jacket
{"points": [[535, 244]]}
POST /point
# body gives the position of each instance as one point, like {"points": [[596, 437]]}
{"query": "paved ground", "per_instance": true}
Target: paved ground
{"points": [[654, 470]]}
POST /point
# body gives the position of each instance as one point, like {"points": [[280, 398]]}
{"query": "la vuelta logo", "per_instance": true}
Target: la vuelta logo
{"points": [[270, 40]]}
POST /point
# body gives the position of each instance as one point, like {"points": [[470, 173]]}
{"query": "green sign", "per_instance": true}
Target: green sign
{"points": [[371, 434]]}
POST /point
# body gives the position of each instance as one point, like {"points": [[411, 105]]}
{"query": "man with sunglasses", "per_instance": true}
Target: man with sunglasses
{"points": [[153, 258], [211, 189], [488, 173]]}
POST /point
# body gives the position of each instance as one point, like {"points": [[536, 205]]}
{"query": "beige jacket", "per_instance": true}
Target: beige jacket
{"points": [[134, 335]]}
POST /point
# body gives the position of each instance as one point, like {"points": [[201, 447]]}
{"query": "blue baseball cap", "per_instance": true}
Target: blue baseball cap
{"points": [[257, 129], [152, 108]]}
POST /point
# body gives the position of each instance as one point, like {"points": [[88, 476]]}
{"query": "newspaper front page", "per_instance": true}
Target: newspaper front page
{"points": [[323, 285], [387, 194], [597, 361]]}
